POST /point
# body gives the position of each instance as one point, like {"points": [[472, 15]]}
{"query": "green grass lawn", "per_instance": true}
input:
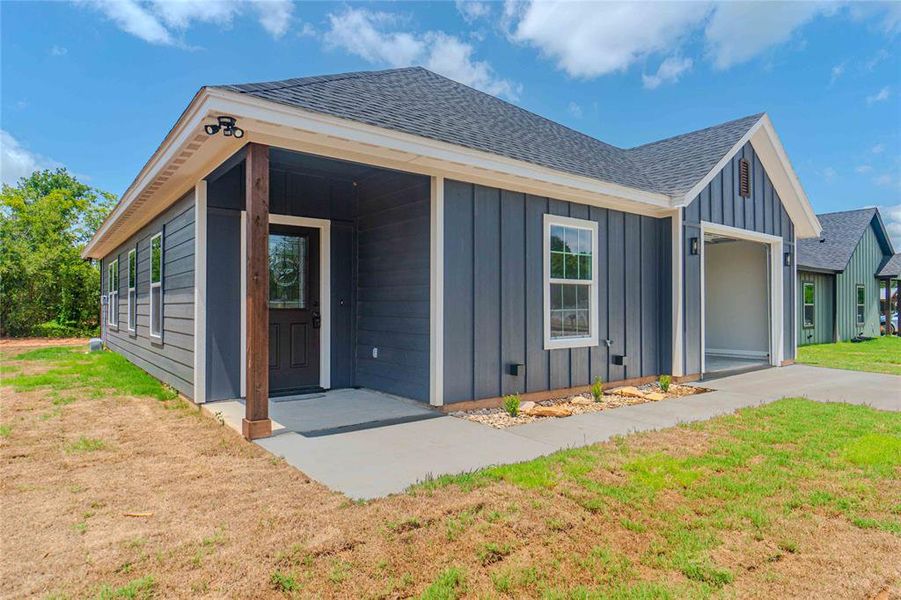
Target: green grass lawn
{"points": [[879, 355]]}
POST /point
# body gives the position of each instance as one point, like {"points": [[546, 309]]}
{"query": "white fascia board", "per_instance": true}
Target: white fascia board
{"points": [[361, 143], [418, 147]]}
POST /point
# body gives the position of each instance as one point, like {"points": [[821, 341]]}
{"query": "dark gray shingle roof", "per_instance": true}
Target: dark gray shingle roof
{"points": [[891, 267], [419, 102], [841, 233]]}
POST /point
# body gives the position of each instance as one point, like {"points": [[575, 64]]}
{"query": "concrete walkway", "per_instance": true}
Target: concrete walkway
{"points": [[376, 462]]}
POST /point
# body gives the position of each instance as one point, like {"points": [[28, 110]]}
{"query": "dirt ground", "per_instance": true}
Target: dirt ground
{"points": [[22, 343], [176, 496]]}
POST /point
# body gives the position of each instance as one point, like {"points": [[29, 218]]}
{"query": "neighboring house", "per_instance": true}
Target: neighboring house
{"points": [[399, 231], [838, 277], [890, 276]]}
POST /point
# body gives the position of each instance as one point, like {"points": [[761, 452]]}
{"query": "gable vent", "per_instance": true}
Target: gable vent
{"points": [[744, 178]]}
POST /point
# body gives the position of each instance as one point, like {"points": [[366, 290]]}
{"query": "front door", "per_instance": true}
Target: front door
{"points": [[294, 311]]}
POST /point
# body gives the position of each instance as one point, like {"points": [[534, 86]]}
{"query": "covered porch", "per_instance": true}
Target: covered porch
{"points": [[317, 285]]}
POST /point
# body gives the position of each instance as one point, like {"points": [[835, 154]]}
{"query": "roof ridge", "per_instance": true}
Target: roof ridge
{"points": [[687, 133], [282, 84], [844, 212]]}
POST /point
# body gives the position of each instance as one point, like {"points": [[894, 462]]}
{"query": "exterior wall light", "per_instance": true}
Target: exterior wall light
{"points": [[228, 126], [788, 259], [693, 246]]}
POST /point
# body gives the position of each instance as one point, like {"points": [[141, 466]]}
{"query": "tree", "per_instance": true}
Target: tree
{"points": [[45, 221]]}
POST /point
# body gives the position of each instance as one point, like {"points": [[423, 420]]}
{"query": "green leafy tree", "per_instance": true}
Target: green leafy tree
{"points": [[45, 286]]}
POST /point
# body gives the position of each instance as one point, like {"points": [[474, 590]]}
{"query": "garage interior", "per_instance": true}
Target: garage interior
{"points": [[736, 305]]}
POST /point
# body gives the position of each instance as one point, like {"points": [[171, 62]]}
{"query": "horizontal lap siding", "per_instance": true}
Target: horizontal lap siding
{"points": [[720, 202], [493, 304], [822, 330], [392, 275], [170, 359]]}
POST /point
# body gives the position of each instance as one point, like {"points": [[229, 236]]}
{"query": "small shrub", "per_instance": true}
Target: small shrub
{"points": [[511, 404], [597, 389], [5, 430], [665, 381]]}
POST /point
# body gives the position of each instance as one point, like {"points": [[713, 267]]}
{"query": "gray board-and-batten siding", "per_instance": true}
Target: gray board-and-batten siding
{"points": [[493, 295], [169, 358], [720, 202]]}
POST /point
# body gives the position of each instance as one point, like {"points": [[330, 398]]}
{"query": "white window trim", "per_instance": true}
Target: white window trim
{"points": [[805, 304], [132, 318], [157, 284], [858, 304], [112, 294], [592, 338]]}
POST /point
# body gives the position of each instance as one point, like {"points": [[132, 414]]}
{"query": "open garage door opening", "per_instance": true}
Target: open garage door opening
{"points": [[737, 330]]}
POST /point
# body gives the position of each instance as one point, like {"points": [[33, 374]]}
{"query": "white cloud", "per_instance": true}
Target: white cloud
{"points": [[17, 161], [837, 71], [739, 31], [878, 149], [58, 51], [157, 21], [880, 96], [670, 71], [863, 169], [589, 39], [575, 110], [829, 174], [471, 10], [377, 38], [891, 216], [887, 180]]}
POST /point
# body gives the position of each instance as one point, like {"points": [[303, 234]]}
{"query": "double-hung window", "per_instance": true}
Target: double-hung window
{"points": [[112, 293], [132, 288], [570, 282], [861, 304], [156, 286], [809, 306]]}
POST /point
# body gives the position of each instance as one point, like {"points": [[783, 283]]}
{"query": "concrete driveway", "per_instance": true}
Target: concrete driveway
{"points": [[379, 461]]}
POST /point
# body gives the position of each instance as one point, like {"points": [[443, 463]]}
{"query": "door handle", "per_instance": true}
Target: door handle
{"points": [[317, 320]]}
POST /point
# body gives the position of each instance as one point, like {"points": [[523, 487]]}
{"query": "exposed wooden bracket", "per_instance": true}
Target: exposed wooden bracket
{"points": [[256, 412]]}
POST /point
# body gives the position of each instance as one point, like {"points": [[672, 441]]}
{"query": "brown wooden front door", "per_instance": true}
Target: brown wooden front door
{"points": [[294, 309]]}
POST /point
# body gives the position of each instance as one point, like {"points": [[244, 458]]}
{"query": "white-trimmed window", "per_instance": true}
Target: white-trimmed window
{"points": [[861, 304], [570, 282], [112, 293], [156, 286], [809, 303], [132, 288]]}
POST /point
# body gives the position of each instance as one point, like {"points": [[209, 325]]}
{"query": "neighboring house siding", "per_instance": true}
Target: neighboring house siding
{"points": [[720, 202], [824, 298], [493, 295], [171, 358], [861, 269], [392, 230]]}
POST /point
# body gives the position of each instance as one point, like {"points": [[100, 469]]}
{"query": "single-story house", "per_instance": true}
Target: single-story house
{"points": [[399, 231], [838, 277]]}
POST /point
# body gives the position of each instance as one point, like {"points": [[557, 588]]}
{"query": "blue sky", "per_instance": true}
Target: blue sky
{"points": [[94, 85]]}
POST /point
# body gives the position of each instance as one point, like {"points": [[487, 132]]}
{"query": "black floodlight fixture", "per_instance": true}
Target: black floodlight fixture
{"points": [[227, 125]]}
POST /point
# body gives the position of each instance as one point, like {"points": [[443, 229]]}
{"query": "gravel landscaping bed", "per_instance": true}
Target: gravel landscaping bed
{"points": [[576, 405]]}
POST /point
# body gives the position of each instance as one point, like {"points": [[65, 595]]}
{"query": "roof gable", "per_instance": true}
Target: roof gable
{"points": [[842, 232]]}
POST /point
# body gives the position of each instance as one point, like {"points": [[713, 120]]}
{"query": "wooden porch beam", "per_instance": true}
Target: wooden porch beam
{"points": [[256, 422]]}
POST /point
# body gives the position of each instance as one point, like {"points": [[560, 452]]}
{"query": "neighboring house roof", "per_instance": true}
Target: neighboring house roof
{"points": [[842, 232], [419, 102], [891, 267]]}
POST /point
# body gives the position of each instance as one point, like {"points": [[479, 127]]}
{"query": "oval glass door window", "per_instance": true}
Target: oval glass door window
{"points": [[287, 271]]}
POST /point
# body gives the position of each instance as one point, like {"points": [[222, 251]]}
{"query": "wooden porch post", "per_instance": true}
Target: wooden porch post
{"points": [[256, 414], [887, 309]]}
